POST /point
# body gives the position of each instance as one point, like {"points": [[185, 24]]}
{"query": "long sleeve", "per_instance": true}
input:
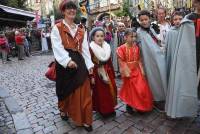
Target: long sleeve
{"points": [[123, 67], [86, 53], [60, 54]]}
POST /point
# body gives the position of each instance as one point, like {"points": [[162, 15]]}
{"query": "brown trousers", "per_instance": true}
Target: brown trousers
{"points": [[78, 105]]}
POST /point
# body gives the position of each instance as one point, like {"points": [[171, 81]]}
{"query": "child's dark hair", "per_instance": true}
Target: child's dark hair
{"points": [[178, 13], [161, 8], [144, 12], [129, 31], [67, 5]]}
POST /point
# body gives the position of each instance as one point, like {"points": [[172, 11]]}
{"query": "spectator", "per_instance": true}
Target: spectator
{"points": [[44, 41], [4, 47], [26, 46], [19, 39], [163, 24]]}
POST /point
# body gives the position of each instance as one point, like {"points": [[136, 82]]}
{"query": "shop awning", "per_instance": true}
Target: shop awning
{"points": [[17, 11]]}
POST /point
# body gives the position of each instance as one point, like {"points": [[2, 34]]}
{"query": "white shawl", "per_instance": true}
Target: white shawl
{"points": [[102, 53]]}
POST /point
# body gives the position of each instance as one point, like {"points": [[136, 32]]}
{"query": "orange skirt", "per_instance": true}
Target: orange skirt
{"points": [[78, 105]]}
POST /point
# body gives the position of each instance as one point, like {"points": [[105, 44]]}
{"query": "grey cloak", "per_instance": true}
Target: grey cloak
{"points": [[114, 54], [181, 100], [154, 60], [118, 41]]}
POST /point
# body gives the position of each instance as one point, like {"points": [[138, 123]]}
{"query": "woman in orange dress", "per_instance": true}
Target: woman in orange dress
{"points": [[73, 66], [135, 91]]}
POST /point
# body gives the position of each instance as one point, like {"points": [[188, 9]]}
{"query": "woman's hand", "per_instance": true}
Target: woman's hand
{"points": [[91, 71], [72, 64], [92, 81]]}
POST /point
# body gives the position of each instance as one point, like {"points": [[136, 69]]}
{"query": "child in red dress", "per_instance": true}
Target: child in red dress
{"points": [[135, 91], [103, 80]]}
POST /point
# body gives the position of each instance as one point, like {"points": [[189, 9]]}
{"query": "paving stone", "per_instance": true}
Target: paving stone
{"points": [[4, 93], [148, 129], [40, 119], [48, 116], [110, 125], [61, 123], [97, 124], [9, 131], [39, 115], [6, 126], [41, 110], [63, 129], [42, 122], [132, 130], [78, 130], [39, 132], [194, 126], [12, 105], [115, 130], [49, 123], [170, 123], [165, 130], [35, 125], [100, 130], [8, 119], [25, 131], [49, 129], [36, 129], [32, 118], [150, 116], [33, 121], [125, 125], [31, 114], [157, 122], [2, 123], [57, 119], [56, 112], [134, 118], [21, 121], [121, 118], [140, 125]]}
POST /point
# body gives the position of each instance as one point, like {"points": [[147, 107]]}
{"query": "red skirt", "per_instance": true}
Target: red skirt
{"points": [[136, 93], [104, 95]]}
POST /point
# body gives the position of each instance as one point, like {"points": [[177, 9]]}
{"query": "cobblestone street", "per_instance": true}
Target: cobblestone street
{"points": [[6, 122], [26, 82]]}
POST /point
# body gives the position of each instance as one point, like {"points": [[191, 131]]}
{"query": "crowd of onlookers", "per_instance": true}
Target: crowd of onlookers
{"points": [[20, 42]]}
